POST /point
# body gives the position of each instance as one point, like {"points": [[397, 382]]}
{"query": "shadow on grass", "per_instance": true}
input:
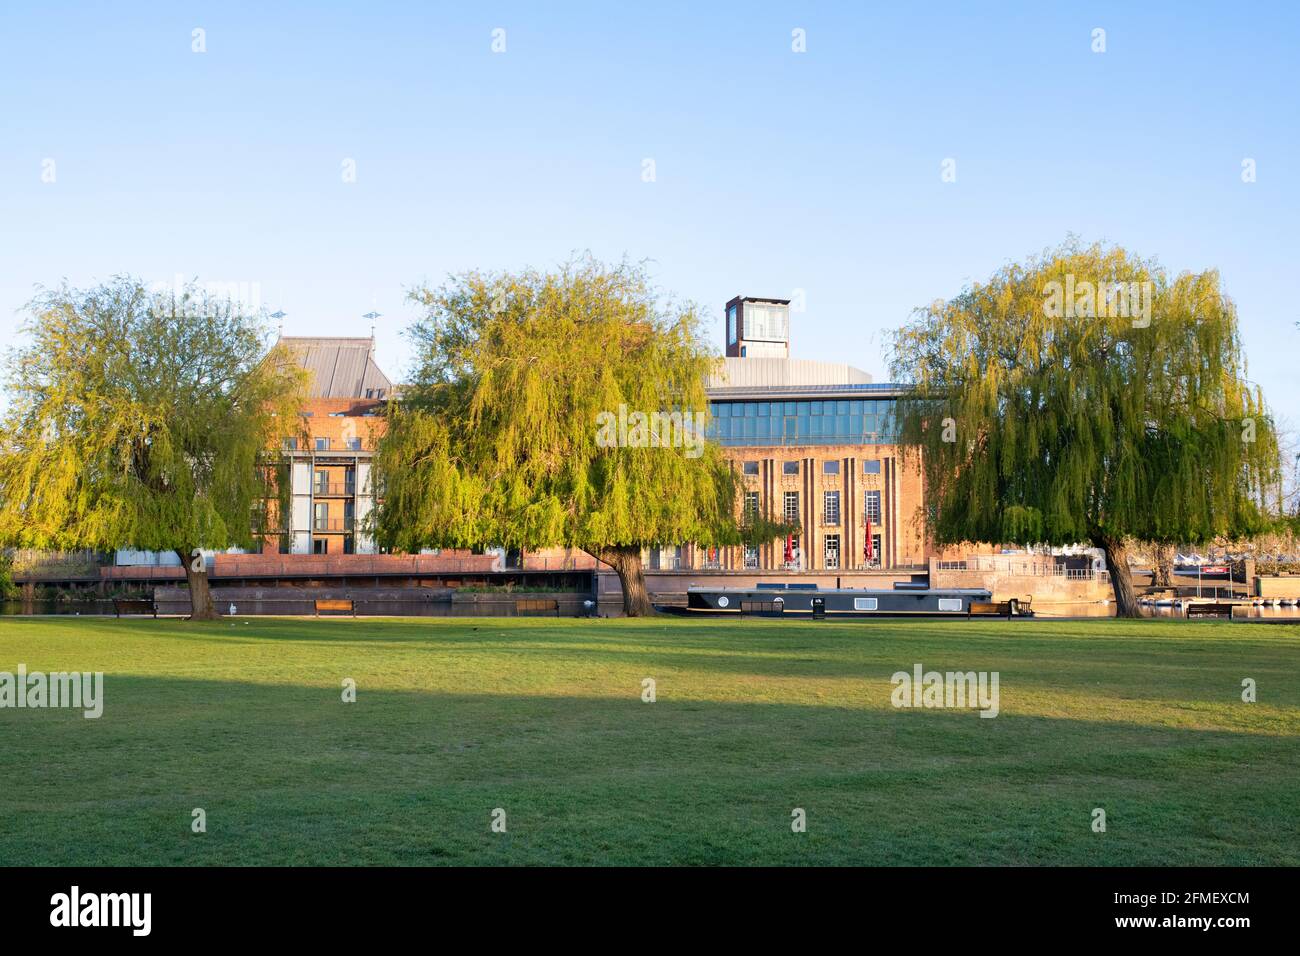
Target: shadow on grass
{"points": [[290, 774]]}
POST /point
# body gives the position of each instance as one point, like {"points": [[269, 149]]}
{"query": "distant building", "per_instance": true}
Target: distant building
{"points": [[331, 487], [815, 446]]}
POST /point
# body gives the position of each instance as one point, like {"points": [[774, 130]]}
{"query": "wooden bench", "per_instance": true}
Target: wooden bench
{"points": [[133, 606], [1210, 609], [336, 604], [1008, 609], [534, 605]]}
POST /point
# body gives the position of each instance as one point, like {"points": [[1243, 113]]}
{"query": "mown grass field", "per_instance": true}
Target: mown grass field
{"points": [[544, 718]]}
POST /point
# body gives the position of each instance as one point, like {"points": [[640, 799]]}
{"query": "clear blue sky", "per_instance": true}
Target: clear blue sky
{"points": [[775, 170]]}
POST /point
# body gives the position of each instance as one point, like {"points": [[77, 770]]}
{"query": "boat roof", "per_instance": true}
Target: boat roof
{"points": [[799, 590]]}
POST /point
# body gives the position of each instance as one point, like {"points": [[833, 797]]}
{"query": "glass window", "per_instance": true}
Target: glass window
{"points": [[830, 507], [871, 466], [832, 551], [764, 409], [731, 325], [322, 444], [791, 511], [803, 407], [354, 444], [750, 467], [816, 408], [831, 467], [790, 467], [751, 504], [872, 501], [291, 444], [721, 410]]}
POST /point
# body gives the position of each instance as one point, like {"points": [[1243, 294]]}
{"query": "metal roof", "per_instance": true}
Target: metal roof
{"points": [[765, 378], [340, 367]]}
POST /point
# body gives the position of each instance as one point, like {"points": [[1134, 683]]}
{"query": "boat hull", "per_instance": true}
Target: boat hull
{"points": [[831, 603]]}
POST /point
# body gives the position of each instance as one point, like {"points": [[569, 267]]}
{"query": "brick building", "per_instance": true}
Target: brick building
{"points": [[331, 491]]}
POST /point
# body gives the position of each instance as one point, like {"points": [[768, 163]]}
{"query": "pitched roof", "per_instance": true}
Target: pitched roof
{"points": [[340, 367]]}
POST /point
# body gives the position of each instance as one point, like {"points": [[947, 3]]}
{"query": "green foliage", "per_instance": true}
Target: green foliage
{"points": [[140, 419], [1077, 428], [8, 590], [495, 441]]}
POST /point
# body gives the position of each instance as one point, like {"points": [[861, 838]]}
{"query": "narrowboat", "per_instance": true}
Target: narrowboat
{"points": [[808, 600]]}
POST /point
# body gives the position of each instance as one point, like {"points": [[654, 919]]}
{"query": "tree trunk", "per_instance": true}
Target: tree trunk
{"points": [[1121, 581], [1164, 569], [626, 561], [201, 606]]}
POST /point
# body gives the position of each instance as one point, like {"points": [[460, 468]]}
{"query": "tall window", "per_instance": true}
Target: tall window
{"points": [[751, 504], [873, 507], [832, 552], [830, 507], [751, 556], [322, 444], [731, 326], [321, 520], [791, 512]]}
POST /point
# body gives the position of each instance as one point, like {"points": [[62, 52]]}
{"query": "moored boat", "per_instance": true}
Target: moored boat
{"points": [[803, 601]]}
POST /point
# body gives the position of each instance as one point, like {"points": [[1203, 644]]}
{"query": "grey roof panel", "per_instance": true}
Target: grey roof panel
{"points": [[340, 367]]}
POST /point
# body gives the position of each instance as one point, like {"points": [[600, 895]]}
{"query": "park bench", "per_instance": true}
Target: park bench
{"points": [[1008, 609], [536, 605], [1210, 609], [336, 604], [134, 606]]}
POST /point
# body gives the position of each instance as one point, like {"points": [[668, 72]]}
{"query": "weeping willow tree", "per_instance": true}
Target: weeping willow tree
{"points": [[561, 409], [1087, 396], [142, 419]]}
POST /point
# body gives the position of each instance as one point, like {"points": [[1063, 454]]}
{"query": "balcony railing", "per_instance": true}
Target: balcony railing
{"points": [[320, 488], [332, 524]]}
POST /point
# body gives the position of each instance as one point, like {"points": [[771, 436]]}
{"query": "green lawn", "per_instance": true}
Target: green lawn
{"points": [[544, 718]]}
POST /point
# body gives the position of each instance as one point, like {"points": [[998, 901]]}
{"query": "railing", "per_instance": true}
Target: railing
{"points": [[1022, 567], [334, 488], [332, 524]]}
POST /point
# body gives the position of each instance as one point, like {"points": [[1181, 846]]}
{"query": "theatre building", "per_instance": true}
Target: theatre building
{"points": [[813, 444]]}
